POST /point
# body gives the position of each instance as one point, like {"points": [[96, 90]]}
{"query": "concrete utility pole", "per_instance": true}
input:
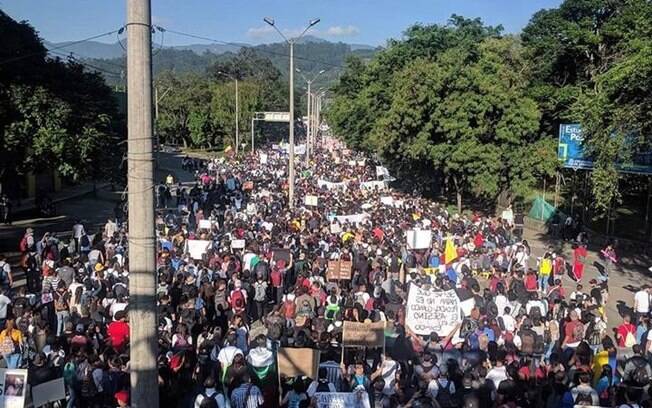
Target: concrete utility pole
{"points": [[291, 43], [142, 244], [309, 131], [237, 110]]}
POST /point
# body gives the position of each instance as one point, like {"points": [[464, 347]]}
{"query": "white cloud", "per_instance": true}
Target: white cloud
{"points": [[269, 33], [343, 31], [260, 32]]}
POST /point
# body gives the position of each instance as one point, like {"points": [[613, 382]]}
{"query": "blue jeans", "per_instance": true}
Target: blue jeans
{"points": [[62, 318], [543, 283], [12, 360]]}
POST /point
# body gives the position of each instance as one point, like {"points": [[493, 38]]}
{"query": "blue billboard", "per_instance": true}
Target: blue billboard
{"points": [[570, 152]]}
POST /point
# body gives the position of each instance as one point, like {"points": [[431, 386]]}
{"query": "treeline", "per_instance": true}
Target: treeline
{"points": [[54, 114], [470, 110]]}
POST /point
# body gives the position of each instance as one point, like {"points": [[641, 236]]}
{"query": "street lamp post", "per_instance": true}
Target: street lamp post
{"points": [[237, 110], [310, 110], [291, 43]]}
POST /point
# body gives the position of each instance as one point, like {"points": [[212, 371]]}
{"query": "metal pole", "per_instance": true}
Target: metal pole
{"points": [[142, 243], [291, 165], [237, 118], [308, 132], [253, 121]]}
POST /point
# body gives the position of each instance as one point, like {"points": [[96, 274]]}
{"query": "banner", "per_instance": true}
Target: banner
{"points": [[418, 239], [50, 391], [331, 186], [388, 200], [311, 200], [352, 219], [373, 185], [238, 244], [13, 388], [293, 362], [197, 247], [429, 311], [364, 334], [355, 399]]}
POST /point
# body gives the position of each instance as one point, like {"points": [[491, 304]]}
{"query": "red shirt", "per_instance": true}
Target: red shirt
{"points": [[623, 329], [118, 334]]}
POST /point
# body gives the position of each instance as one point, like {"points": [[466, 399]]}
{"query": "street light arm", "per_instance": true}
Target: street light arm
{"points": [[279, 31]]}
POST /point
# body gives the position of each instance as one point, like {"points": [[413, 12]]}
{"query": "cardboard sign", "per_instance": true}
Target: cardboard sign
{"points": [[418, 239], [248, 185], [281, 253], [429, 311], [311, 200], [14, 387], [47, 392], [205, 224], [197, 247], [356, 399], [364, 334], [293, 362], [238, 244], [338, 270]]}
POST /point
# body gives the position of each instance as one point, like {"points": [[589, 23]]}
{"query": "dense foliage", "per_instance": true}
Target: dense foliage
{"points": [[464, 107], [54, 115]]}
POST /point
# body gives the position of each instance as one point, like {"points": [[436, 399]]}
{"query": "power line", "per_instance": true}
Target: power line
{"points": [[86, 64], [14, 59], [199, 37]]}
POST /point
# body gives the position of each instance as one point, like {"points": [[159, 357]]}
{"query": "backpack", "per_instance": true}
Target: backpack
{"points": [[277, 278], [640, 376], [322, 386], [84, 241], [528, 340], [88, 387], [630, 340], [445, 397], [260, 294], [238, 301], [208, 402], [69, 373], [290, 309], [583, 398]]}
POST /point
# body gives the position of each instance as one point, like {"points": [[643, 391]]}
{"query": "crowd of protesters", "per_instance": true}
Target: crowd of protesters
{"points": [[527, 341]]}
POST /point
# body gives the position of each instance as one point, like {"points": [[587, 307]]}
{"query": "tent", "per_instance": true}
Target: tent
{"points": [[544, 211]]}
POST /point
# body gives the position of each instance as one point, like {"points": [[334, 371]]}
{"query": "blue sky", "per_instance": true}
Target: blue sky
{"points": [[353, 21]]}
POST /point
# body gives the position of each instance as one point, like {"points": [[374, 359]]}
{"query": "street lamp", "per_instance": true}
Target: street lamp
{"points": [[308, 132], [291, 43], [237, 110]]}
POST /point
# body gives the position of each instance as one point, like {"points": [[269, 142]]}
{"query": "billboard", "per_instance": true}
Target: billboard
{"points": [[570, 151]]}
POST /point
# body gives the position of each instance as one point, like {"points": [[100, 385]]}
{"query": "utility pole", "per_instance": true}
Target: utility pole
{"points": [[309, 125], [291, 43], [142, 243], [237, 118]]}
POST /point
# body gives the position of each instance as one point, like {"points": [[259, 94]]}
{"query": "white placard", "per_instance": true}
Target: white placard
{"points": [[263, 158], [197, 247], [366, 206], [311, 200], [467, 306], [429, 311], [50, 391], [352, 162], [382, 171], [356, 399], [238, 244], [14, 387], [418, 239], [331, 186], [336, 228], [205, 224], [352, 219], [251, 209], [387, 200], [362, 162], [373, 185]]}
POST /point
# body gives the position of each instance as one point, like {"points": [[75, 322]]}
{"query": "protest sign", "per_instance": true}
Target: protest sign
{"points": [[362, 162], [13, 388], [339, 269], [352, 219], [47, 392], [335, 228], [263, 158], [248, 185], [429, 311], [388, 200], [346, 267], [238, 244], [382, 171], [373, 185], [251, 208], [197, 247], [281, 253], [364, 334], [467, 306], [205, 224], [356, 399], [418, 239], [311, 200], [293, 362]]}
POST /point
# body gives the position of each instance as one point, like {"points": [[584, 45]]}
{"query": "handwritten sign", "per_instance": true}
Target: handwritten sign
{"points": [[338, 270], [363, 334], [293, 362], [205, 224], [356, 399], [311, 200], [197, 248], [429, 311], [418, 239]]}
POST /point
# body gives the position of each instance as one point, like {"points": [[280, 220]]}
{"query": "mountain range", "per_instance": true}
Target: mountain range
{"points": [[101, 50]]}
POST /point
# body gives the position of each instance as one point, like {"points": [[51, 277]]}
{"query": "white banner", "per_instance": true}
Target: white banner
{"points": [[356, 399], [330, 186], [352, 219], [197, 247], [205, 224], [311, 200], [418, 239], [13, 388], [373, 185], [50, 391], [387, 200], [429, 311]]}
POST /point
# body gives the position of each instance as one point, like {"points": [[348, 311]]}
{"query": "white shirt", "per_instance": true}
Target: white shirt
{"points": [[501, 303], [642, 301], [497, 375], [4, 302], [509, 322], [434, 385], [77, 230]]}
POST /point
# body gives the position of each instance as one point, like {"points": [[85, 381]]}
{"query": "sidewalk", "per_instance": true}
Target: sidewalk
{"points": [[67, 193]]}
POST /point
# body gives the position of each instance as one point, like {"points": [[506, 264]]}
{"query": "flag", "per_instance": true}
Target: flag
{"points": [[450, 253]]}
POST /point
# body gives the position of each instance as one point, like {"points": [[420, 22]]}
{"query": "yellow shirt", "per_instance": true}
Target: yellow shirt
{"points": [[16, 335]]}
